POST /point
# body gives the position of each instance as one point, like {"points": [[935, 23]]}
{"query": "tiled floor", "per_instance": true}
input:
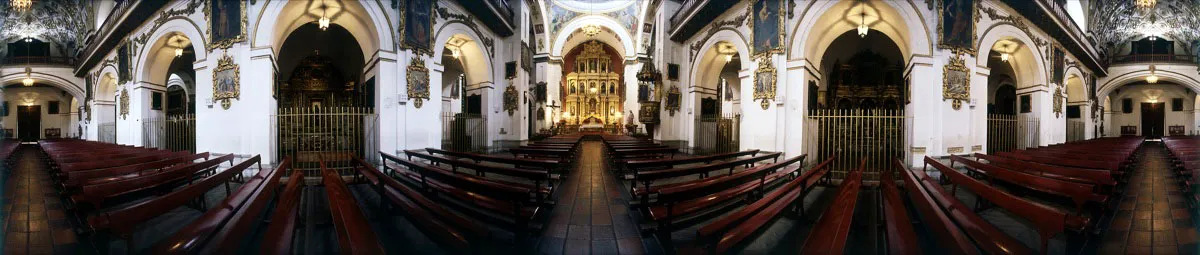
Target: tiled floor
{"points": [[592, 214], [1152, 218], [34, 217]]}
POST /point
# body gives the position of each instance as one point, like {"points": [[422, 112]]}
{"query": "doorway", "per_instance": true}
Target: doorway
{"points": [[1152, 120], [29, 122]]}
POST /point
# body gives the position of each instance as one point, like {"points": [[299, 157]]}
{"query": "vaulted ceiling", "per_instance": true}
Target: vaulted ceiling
{"points": [[62, 22], [1117, 22]]}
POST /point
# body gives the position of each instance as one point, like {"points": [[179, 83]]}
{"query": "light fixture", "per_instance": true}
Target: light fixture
{"points": [[862, 25], [178, 52], [728, 58], [1004, 57], [591, 30], [28, 39], [1144, 4], [323, 22], [1153, 38], [21, 5], [28, 81], [454, 53], [1153, 78]]}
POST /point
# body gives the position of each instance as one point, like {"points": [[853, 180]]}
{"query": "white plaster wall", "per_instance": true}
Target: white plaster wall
{"points": [[62, 120], [1138, 95]]}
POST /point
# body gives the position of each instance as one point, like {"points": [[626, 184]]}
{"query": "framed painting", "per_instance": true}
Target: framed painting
{"points": [[956, 82], [510, 99], [956, 25], [1059, 65], [124, 103], [526, 57], [156, 101], [767, 27], [418, 82], [124, 70], [226, 83], [764, 82], [418, 26], [1026, 104], [673, 97], [53, 133], [226, 23], [673, 72]]}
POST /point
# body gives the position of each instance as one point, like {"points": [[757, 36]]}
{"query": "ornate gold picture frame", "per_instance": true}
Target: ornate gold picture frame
{"points": [[764, 81], [510, 99], [956, 81], [124, 103], [226, 81], [418, 82], [953, 38], [1058, 101], [224, 43], [673, 97]]}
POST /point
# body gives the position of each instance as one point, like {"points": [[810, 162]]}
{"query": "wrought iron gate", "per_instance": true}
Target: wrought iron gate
{"points": [[176, 132], [1008, 132], [1075, 130], [877, 136], [464, 132], [717, 134], [335, 135]]}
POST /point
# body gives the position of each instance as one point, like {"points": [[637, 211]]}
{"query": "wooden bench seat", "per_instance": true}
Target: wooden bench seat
{"points": [[98, 164], [452, 231], [277, 239], [1100, 178], [829, 234], [352, 229], [96, 194], [516, 162], [648, 177], [986, 236], [898, 227], [510, 202], [650, 164], [75, 180], [1081, 194], [542, 179], [682, 200], [945, 235]]}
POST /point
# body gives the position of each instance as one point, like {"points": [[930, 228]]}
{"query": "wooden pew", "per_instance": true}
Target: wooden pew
{"points": [[736, 228], [229, 222], [898, 231], [648, 177], [1048, 221], [830, 233], [508, 202], [453, 232], [353, 232], [699, 196], [72, 181], [1100, 178], [650, 164], [122, 222], [538, 177], [141, 158], [516, 162], [277, 239], [1080, 194], [937, 222], [96, 194]]}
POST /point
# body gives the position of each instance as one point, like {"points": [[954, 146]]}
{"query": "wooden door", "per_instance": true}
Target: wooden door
{"points": [[1152, 120], [29, 122]]}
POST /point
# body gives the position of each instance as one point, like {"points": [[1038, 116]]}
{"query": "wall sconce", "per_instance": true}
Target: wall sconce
{"points": [[1004, 57]]}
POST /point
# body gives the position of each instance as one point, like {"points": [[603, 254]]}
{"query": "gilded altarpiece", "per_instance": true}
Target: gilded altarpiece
{"points": [[593, 89]]}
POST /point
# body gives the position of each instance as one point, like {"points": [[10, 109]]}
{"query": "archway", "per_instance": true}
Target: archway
{"points": [[104, 107], [1076, 104], [1151, 110], [1012, 122], [40, 111], [169, 69], [465, 71], [325, 102], [717, 98]]}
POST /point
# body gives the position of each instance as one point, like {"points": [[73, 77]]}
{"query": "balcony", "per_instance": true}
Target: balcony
{"points": [[125, 17], [1154, 58], [1051, 16], [693, 15], [496, 14], [39, 60]]}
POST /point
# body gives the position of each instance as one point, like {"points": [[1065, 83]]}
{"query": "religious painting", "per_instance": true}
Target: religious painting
{"points": [[728, 90], [673, 72], [510, 69], [1058, 102], [647, 27], [767, 27], [418, 26], [510, 99], [226, 23], [124, 70], [418, 82], [540, 90], [956, 25], [156, 101], [123, 103], [1059, 68], [764, 82], [526, 57], [226, 81], [956, 82], [1026, 104], [673, 100]]}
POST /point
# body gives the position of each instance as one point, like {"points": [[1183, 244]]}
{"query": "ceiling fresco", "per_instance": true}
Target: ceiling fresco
{"points": [[562, 12], [61, 22], [1117, 22]]}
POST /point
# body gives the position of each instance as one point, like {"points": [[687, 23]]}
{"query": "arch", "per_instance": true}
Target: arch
{"points": [[1027, 62], [367, 22], [821, 24], [107, 85], [708, 61], [627, 49], [45, 78], [1164, 75], [477, 71], [1076, 92]]}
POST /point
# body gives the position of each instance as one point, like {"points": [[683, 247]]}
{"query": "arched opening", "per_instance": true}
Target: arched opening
{"points": [[32, 113], [170, 122], [1012, 122], [105, 108], [862, 71], [1151, 110], [464, 72], [1076, 100], [325, 102]]}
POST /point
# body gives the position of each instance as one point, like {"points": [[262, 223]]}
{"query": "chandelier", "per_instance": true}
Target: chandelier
{"points": [[28, 81], [21, 5], [1144, 4], [862, 25], [1152, 78], [591, 30]]}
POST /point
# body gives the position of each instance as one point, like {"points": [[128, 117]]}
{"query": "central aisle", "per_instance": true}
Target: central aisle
{"points": [[1153, 217], [592, 216]]}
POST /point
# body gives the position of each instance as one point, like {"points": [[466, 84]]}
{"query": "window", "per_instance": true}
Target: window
{"points": [[1127, 105], [52, 107], [1177, 104]]}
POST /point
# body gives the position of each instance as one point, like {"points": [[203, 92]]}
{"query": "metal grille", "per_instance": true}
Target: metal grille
{"points": [[335, 135], [1075, 130], [107, 132], [176, 133], [717, 134], [1008, 132], [464, 132], [877, 136]]}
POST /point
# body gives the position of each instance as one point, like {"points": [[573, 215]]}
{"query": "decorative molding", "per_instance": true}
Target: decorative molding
{"points": [[732, 23], [510, 99], [956, 88], [953, 150], [418, 81], [223, 64], [1058, 101], [977, 148], [124, 103], [765, 79], [918, 150], [167, 16], [1016, 21], [488, 43]]}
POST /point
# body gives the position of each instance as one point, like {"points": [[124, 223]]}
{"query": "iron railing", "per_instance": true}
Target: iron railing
{"points": [[1007, 132], [176, 133], [464, 132], [107, 132], [335, 135], [1076, 130], [717, 134], [1142, 58], [49, 60], [878, 136]]}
